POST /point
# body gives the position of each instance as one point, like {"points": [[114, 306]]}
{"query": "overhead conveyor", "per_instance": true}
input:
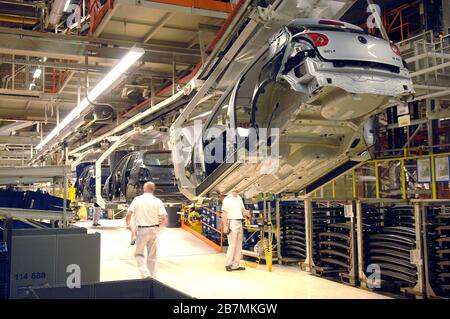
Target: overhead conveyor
{"points": [[258, 59]]}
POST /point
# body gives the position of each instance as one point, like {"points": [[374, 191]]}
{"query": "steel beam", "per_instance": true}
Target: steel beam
{"points": [[31, 213], [15, 154], [15, 140], [9, 128], [39, 172], [159, 25], [149, 24], [98, 31], [173, 8], [75, 47]]}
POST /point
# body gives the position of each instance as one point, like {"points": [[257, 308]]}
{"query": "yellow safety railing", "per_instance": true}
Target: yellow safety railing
{"points": [[376, 164]]}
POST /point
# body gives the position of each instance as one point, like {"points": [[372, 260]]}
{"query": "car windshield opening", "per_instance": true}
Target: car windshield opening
{"points": [[158, 159]]}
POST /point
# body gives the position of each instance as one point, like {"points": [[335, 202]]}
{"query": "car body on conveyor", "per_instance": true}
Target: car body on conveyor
{"points": [[85, 183], [134, 169], [298, 116]]}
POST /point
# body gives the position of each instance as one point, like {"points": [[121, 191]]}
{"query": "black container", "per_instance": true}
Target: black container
{"points": [[173, 218], [125, 289]]}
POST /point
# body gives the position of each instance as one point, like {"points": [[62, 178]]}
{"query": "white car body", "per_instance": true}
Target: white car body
{"points": [[318, 82]]}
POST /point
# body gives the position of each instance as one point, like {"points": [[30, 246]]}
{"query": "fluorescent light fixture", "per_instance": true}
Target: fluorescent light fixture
{"points": [[66, 6], [128, 60], [37, 73]]}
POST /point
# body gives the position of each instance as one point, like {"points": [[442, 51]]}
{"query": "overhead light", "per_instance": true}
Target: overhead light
{"points": [[128, 60], [37, 73], [13, 133], [66, 6]]}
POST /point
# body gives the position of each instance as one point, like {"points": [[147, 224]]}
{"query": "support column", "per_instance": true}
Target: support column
{"points": [[309, 263], [446, 16]]}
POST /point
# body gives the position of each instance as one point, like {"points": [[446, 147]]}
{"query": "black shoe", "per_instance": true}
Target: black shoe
{"points": [[133, 242], [228, 268], [239, 268], [96, 225]]}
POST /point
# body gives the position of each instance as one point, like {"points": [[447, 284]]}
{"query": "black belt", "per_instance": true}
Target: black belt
{"points": [[148, 226], [241, 219]]}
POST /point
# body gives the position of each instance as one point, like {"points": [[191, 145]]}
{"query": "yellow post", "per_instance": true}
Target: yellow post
{"points": [[402, 167], [333, 188], [433, 178], [355, 191], [377, 180]]}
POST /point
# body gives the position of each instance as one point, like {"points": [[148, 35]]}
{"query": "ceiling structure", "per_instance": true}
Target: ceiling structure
{"points": [[74, 61]]}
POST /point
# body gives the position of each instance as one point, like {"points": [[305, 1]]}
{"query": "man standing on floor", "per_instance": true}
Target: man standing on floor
{"points": [[233, 211], [150, 217], [96, 215]]}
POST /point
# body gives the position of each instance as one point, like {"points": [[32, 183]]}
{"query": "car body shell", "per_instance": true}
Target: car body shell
{"points": [[85, 183], [318, 99], [135, 169]]}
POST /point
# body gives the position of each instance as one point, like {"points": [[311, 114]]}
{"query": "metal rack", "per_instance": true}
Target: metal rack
{"points": [[291, 227], [333, 241], [389, 247], [32, 175], [436, 246]]}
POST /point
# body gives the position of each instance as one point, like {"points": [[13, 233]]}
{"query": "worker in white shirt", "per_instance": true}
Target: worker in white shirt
{"points": [[150, 216], [97, 212], [233, 212]]}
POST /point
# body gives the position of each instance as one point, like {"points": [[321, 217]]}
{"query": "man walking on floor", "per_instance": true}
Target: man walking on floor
{"points": [[150, 217], [233, 211]]}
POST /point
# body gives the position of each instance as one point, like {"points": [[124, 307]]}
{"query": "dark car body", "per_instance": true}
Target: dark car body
{"points": [[135, 169], [85, 184]]}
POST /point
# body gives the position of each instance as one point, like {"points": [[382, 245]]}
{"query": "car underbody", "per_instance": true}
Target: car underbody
{"points": [[311, 118]]}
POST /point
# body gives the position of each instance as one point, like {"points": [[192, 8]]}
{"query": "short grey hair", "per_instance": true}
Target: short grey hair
{"points": [[149, 187]]}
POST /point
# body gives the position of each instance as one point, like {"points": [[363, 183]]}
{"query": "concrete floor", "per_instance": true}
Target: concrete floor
{"points": [[189, 265]]}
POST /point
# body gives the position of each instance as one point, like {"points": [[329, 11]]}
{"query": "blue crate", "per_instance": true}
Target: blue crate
{"points": [[4, 276], [3, 291], [3, 248], [11, 199], [41, 201]]}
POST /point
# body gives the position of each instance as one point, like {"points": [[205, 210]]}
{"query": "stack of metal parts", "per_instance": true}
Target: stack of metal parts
{"points": [[438, 219], [292, 231], [333, 247], [4, 278], [389, 234]]}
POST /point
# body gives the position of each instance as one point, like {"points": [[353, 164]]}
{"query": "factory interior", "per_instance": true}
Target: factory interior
{"points": [[329, 119]]}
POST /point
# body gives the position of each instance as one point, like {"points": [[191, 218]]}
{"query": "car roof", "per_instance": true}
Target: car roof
{"points": [[323, 23]]}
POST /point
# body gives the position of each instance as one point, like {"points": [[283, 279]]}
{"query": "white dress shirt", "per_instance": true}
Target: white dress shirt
{"points": [[147, 209], [233, 206]]}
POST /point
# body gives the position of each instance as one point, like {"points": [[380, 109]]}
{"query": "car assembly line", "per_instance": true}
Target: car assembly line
{"points": [[233, 145]]}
